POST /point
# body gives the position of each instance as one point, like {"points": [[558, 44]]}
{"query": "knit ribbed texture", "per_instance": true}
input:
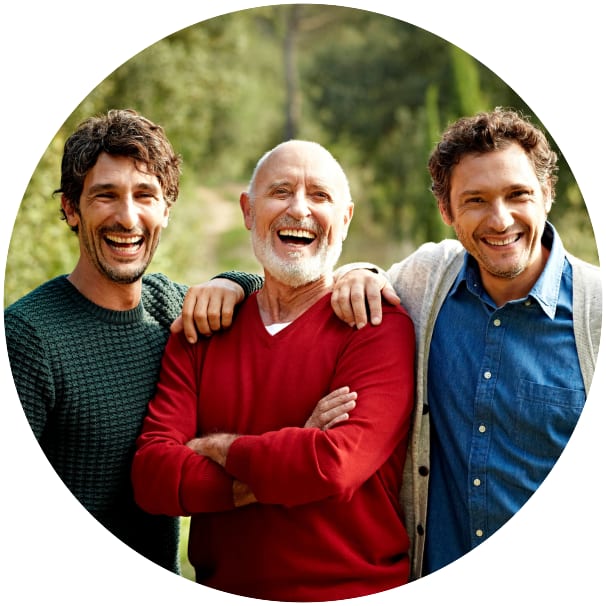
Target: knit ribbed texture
{"points": [[85, 375], [249, 282]]}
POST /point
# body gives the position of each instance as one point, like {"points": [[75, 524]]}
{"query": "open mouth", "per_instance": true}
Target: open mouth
{"points": [[502, 242], [300, 237], [124, 243]]}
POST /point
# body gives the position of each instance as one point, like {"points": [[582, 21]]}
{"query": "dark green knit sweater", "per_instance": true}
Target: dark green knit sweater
{"points": [[84, 375]]}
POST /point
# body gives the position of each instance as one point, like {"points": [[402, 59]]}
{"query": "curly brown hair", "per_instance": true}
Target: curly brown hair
{"points": [[119, 132], [485, 132]]}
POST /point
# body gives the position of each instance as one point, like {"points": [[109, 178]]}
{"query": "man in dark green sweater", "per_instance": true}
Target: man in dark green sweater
{"points": [[85, 348]]}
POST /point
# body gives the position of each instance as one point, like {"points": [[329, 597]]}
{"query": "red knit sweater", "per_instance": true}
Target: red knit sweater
{"points": [[328, 524]]}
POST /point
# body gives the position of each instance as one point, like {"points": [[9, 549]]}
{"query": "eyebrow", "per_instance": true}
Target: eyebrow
{"points": [[101, 187], [514, 186]]}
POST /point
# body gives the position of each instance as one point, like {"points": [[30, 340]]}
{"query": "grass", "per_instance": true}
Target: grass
{"points": [[187, 570]]}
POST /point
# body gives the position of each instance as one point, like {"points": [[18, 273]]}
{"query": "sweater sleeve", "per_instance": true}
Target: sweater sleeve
{"points": [[249, 282], [169, 477], [31, 371], [294, 466]]}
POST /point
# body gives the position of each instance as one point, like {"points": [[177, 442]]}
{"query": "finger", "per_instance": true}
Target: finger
{"points": [[212, 317], [177, 325], [341, 305], [227, 310], [187, 317], [339, 419], [375, 304], [358, 303], [390, 295], [336, 411], [335, 393], [201, 317], [334, 398]]}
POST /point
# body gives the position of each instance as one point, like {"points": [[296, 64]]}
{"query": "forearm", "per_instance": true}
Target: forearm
{"points": [[214, 446], [293, 466], [250, 283]]}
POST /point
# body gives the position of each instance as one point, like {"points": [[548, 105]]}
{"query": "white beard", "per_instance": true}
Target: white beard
{"points": [[297, 270]]}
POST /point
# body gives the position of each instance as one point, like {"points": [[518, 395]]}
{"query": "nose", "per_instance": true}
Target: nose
{"points": [[500, 215], [299, 206], [126, 212]]}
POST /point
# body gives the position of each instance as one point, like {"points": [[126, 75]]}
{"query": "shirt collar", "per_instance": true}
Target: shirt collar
{"points": [[546, 289]]}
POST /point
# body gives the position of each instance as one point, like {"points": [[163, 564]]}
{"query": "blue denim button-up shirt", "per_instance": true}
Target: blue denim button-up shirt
{"points": [[505, 392]]}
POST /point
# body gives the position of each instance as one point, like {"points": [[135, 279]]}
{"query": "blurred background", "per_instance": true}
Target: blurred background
{"points": [[374, 90]]}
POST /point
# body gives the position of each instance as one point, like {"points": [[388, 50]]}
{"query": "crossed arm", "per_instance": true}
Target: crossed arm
{"points": [[209, 307], [330, 410]]}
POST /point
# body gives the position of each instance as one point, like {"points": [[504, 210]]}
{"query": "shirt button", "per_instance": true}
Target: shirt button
{"points": [[528, 303], [482, 428], [497, 322], [477, 482], [487, 374], [479, 532]]}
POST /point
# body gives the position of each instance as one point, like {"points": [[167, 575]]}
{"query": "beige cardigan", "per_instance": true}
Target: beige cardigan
{"points": [[422, 281]]}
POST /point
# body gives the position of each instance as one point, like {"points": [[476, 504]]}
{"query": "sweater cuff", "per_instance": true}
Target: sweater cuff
{"points": [[249, 282]]}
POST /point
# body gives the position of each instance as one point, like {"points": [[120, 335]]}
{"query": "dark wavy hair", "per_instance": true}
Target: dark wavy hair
{"points": [[486, 132], [119, 132]]}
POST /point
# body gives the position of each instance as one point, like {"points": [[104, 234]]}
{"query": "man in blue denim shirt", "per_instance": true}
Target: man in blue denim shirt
{"points": [[507, 325]]}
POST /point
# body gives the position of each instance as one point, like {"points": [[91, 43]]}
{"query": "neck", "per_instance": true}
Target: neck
{"points": [[281, 303], [105, 292], [503, 290]]}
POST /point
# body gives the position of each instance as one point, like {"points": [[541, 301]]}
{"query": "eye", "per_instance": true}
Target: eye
{"points": [[147, 196], [281, 192], [521, 194], [104, 196], [320, 196]]}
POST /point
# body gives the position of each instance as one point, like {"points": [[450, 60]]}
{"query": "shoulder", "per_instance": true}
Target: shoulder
{"points": [[444, 251], [587, 270], [34, 317], [431, 256], [586, 277], [38, 302], [158, 287]]}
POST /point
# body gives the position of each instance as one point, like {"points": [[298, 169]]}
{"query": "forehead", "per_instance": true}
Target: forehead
{"points": [[301, 163], [117, 171], [499, 168]]}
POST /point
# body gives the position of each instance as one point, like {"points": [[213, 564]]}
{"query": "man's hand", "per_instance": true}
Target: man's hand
{"points": [[333, 408], [243, 495], [208, 307], [215, 446], [356, 289]]}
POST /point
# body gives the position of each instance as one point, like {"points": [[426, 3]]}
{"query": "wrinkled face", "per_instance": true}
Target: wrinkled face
{"points": [[122, 213], [498, 211], [300, 213]]}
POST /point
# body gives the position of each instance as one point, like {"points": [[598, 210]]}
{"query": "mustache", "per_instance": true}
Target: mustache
{"points": [[307, 224], [119, 229]]}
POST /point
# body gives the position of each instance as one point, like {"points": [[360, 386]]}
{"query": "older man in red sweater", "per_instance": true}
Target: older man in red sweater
{"points": [[280, 510]]}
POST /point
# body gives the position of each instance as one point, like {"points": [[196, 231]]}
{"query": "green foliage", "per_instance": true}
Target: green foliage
{"points": [[41, 244], [375, 90]]}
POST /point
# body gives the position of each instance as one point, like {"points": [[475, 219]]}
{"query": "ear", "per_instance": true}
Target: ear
{"points": [[166, 215], [247, 211], [71, 215], [347, 217], [547, 193], [445, 212]]}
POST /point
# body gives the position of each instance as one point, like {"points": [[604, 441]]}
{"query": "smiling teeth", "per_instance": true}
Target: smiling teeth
{"points": [[297, 233], [124, 239], [501, 242]]}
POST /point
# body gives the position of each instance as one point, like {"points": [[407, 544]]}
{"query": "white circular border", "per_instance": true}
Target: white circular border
{"points": [[55, 54]]}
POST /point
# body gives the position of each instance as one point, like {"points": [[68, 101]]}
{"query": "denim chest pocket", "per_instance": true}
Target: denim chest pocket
{"points": [[546, 417]]}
